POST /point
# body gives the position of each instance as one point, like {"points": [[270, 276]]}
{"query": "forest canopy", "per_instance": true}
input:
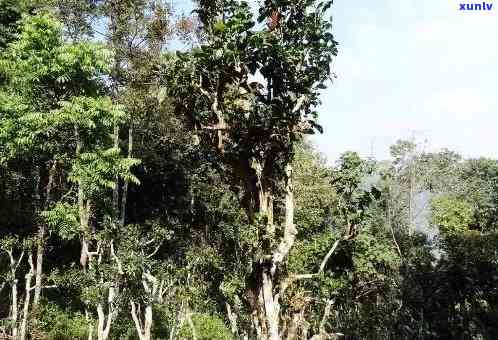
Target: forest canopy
{"points": [[157, 181]]}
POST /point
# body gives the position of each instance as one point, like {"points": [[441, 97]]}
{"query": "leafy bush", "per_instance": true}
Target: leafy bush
{"points": [[58, 324], [207, 327]]}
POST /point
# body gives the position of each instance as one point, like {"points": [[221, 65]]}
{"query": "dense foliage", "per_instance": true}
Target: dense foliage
{"points": [[153, 194]]}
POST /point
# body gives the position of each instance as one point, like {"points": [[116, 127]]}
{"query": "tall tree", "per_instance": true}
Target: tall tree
{"points": [[250, 93]]}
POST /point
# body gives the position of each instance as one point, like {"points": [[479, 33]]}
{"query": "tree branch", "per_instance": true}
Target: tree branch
{"points": [[293, 278], [327, 257]]}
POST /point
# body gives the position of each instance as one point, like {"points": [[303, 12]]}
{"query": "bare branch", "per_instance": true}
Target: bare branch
{"points": [[296, 277], [299, 103], [44, 287], [154, 251], [327, 257], [326, 314]]}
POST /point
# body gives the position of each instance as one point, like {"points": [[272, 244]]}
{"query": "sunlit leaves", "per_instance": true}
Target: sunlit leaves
{"points": [[450, 215], [354, 195], [44, 74], [63, 219], [87, 113], [97, 170], [41, 65], [15, 136]]}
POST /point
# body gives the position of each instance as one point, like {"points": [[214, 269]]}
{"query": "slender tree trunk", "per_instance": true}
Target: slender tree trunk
{"points": [[83, 209], [27, 298], [322, 334], [101, 321], [115, 41], [90, 326], [41, 238], [83, 215], [232, 317], [14, 264], [115, 193], [39, 263], [389, 221], [295, 325], [190, 322], [14, 309], [125, 187], [264, 311], [41, 232]]}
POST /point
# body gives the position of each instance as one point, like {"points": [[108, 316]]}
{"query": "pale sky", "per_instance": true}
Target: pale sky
{"points": [[412, 67], [407, 68]]}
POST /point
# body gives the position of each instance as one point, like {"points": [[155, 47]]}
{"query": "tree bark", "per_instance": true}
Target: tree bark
{"points": [[42, 230], [145, 331], [90, 326], [125, 187], [14, 264], [82, 211], [14, 309], [39, 263], [27, 298], [268, 306], [272, 308], [290, 230], [115, 192], [104, 324]]}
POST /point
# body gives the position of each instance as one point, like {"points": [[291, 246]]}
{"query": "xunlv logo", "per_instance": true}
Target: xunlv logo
{"points": [[476, 7]]}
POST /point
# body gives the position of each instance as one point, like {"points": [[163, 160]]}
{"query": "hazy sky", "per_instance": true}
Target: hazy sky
{"points": [[411, 67]]}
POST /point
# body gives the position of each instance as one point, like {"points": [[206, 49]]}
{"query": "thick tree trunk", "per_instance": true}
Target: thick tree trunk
{"points": [[267, 311], [290, 230], [148, 323], [272, 308], [144, 330], [104, 324]]}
